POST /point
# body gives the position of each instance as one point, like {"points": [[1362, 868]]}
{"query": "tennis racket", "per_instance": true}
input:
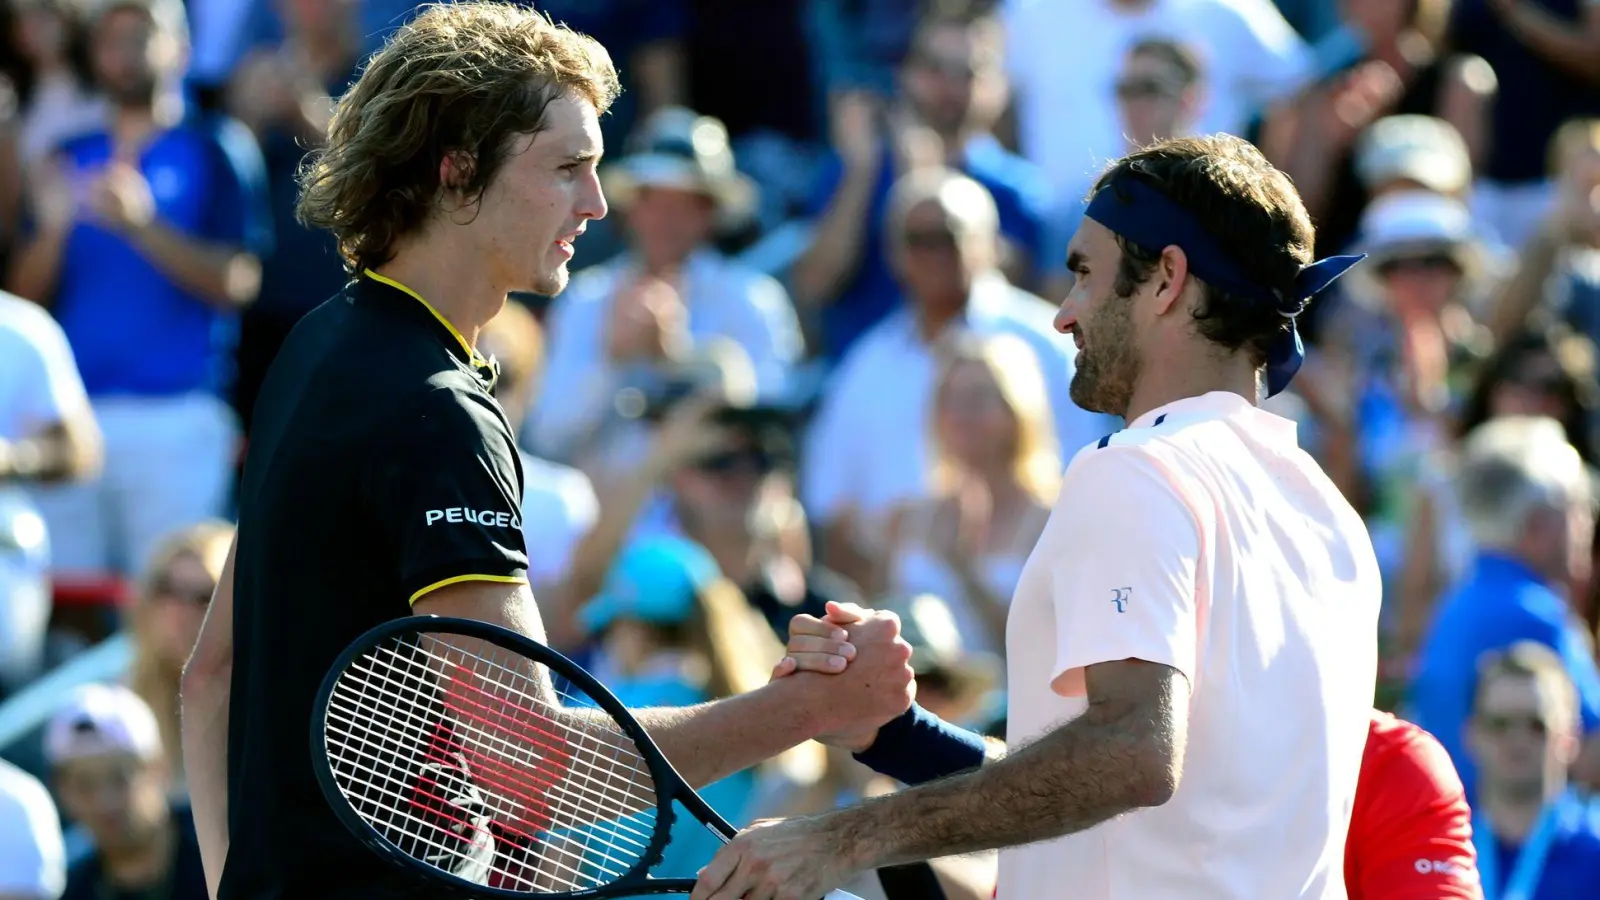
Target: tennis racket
{"points": [[491, 764]]}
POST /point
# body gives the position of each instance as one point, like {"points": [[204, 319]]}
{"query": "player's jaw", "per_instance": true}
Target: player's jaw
{"points": [[1107, 363], [551, 276]]}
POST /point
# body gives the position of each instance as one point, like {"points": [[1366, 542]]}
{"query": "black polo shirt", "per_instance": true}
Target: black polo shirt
{"points": [[380, 467]]}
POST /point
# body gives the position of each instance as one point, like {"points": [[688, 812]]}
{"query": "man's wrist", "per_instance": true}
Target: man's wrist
{"points": [[863, 843]]}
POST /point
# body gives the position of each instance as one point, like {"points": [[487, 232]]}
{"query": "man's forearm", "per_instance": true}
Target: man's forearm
{"points": [[1073, 778], [709, 742], [226, 277], [205, 753], [835, 252]]}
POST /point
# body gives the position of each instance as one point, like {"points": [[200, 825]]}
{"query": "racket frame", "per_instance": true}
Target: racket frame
{"points": [[669, 785]]}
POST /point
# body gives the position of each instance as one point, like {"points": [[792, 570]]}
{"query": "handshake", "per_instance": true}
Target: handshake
{"points": [[859, 669]]}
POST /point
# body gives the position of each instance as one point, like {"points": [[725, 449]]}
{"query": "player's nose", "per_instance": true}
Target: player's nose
{"points": [[1066, 317], [591, 201]]}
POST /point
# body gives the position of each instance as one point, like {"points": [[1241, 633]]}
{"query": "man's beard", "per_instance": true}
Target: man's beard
{"points": [[1107, 365]]}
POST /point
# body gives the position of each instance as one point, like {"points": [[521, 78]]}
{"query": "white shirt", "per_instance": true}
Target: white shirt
{"points": [[724, 298], [33, 856], [1064, 57], [867, 449], [1204, 539], [559, 507], [39, 381]]}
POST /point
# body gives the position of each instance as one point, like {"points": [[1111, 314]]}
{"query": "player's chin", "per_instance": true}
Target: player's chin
{"points": [[552, 280]]}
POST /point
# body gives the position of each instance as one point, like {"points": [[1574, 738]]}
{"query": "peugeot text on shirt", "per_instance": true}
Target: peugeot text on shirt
{"points": [[485, 517]]}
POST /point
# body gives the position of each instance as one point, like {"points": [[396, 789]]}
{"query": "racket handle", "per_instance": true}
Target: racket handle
{"points": [[841, 895]]}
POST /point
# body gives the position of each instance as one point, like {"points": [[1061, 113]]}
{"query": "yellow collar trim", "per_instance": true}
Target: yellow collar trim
{"points": [[477, 359]]}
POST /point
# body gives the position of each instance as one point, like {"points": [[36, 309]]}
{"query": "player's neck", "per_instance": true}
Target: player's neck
{"points": [[1161, 385], [465, 294]]}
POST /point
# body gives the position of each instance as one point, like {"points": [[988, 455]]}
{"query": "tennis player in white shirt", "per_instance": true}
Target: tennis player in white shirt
{"points": [[1192, 648]]}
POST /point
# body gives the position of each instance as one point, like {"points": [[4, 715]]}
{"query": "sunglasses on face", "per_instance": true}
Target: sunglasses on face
{"points": [[953, 67], [930, 239], [1540, 381], [1504, 724], [191, 593], [743, 461], [1431, 262], [1146, 88]]}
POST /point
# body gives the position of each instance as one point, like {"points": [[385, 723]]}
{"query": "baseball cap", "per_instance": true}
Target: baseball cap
{"points": [[1423, 149], [1412, 223], [99, 719], [656, 580]]}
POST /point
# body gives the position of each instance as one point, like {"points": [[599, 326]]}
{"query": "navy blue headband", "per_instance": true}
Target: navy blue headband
{"points": [[1146, 217]]}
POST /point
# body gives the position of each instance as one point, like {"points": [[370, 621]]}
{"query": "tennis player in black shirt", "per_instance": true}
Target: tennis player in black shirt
{"points": [[382, 479]]}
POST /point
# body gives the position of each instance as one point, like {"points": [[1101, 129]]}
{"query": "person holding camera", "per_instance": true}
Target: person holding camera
{"points": [[719, 471], [624, 321]]}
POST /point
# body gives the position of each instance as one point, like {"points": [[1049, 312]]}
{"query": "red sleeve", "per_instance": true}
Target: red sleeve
{"points": [[1411, 829]]}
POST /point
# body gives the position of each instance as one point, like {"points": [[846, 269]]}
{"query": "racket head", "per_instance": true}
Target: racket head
{"points": [[475, 782]]}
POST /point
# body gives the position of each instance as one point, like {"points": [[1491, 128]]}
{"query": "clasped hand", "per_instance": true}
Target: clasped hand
{"points": [[805, 858]]}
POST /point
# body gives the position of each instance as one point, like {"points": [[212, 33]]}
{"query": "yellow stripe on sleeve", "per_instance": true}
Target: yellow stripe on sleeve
{"points": [[499, 579]]}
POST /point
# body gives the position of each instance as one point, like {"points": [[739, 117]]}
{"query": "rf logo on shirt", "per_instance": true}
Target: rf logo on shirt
{"points": [[1120, 596]]}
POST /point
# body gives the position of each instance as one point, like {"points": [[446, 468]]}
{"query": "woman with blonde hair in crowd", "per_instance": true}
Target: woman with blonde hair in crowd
{"points": [[996, 473], [179, 579]]}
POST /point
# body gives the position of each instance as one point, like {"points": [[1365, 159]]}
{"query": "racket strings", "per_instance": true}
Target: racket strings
{"points": [[433, 849], [458, 759], [476, 736]]}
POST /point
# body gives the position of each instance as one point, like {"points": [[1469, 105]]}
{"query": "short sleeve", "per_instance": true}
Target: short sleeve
{"points": [[1411, 835], [1124, 582], [446, 482], [241, 208], [40, 368], [32, 851]]}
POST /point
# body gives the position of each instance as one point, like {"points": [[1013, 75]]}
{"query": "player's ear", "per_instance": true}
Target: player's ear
{"points": [[457, 169], [1171, 277]]}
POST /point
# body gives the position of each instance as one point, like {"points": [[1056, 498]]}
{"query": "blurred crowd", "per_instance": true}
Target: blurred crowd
{"points": [[807, 358]]}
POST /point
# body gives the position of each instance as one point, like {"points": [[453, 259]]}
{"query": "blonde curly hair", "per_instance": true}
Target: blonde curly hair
{"points": [[465, 77]]}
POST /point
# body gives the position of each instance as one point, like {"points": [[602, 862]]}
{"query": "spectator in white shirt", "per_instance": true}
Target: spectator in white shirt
{"points": [[868, 448], [669, 293], [33, 856], [558, 502], [47, 434], [1065, 88]]}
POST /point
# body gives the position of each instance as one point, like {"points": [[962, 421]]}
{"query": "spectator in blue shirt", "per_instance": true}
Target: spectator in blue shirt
{"points": [[954, 83], [147, 242], [1536, 839], [1525, 495]]}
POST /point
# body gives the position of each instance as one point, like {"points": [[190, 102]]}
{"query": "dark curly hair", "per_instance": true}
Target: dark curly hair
{"points": [[466, 77], [1251, 210]]}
